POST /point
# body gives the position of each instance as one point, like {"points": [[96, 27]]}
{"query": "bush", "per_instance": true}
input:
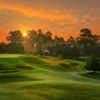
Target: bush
{"points": [[93, 64]]}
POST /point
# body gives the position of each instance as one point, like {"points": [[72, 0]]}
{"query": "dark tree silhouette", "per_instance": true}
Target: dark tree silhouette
{"points": [[3, 47], [87, 39], [32, 39], [15, 36], [40, 40]]}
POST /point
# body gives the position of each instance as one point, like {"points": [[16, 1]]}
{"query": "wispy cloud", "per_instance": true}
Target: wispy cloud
{"points": [[59, 16]]}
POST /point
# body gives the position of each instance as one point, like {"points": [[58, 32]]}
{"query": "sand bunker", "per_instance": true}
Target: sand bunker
{"points": [[49, 62]]}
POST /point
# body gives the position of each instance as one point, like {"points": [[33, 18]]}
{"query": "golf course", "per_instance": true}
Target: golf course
{"points": [[29, 77]]}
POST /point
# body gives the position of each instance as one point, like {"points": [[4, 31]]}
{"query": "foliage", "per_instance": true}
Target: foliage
{"points": [[11, 48], [15, 48], [84, 45], [92, 63], [71, 40], [15, 36], [68, 52], [3, 47], [87, 39]]}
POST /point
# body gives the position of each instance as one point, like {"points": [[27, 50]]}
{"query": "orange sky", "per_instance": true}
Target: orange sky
{"points": [[61, 17]]}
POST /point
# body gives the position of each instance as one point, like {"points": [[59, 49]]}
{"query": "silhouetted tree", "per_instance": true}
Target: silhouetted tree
{"points": [[74, 52], [32, 36], [15, 48], [15, 37], [71, 40], [40, 39], [3, 47], [59, 40], [48, 39], [87, 39]]}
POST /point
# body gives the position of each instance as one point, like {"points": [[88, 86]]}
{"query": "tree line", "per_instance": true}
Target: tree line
{"points": [[85, 44]]}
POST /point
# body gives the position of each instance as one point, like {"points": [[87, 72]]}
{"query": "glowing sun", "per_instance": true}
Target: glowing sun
{"points": [[24, 34]]}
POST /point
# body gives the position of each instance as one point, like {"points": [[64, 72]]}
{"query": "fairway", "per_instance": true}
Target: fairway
{"points": [[38, 79]]}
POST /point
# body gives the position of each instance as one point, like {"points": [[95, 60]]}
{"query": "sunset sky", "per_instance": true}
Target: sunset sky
{"points": [[61, 17]]}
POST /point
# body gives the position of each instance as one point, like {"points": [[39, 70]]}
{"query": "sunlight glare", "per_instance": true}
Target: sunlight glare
{"points": [[24, 34]]}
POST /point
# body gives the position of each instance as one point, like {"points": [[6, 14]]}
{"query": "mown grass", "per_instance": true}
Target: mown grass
{"points": [[9, 78], [94, 76], [19, 61], [33, 59], [62, 91], [45, 82], [48, 57]]}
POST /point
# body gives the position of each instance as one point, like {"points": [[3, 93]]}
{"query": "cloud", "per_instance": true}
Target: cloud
{"points": [[59, 16]]}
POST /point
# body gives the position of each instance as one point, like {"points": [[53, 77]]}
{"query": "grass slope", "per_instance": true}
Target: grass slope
{"points": [[11, 61], [94, 76], [46, 82]]}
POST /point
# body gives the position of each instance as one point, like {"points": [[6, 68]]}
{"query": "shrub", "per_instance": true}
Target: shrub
{"points": [[93, 64]]}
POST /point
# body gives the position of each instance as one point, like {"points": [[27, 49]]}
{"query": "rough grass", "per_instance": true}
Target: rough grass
{"points": [[45, 82]]}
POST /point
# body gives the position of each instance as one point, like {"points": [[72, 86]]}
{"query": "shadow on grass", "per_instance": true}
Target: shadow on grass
{"points": [[7, 78], [68, 91]]}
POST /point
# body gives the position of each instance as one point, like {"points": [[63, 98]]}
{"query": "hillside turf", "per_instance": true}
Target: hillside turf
{"points": [[44, 82]]}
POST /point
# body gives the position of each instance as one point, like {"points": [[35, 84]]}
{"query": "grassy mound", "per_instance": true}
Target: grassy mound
{"points": [[33, 59], [80, 65], [45, 82], [13, 62]]}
